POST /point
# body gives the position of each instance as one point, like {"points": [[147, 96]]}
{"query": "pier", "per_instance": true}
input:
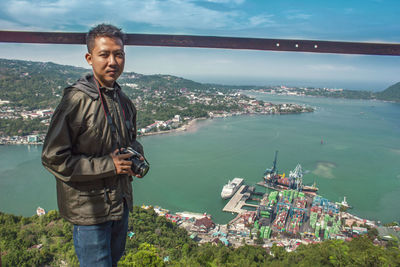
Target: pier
{"points": [[280, 188], [238, 200]]}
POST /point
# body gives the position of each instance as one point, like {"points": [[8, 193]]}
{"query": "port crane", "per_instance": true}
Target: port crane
{"points": [[296, 178], [294, 181], [273, 170]]}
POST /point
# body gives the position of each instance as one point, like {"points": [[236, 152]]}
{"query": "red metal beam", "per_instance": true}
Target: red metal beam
{"points": [[313, 46]]}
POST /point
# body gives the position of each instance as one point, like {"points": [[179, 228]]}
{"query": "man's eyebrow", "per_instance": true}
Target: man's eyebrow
{"points": [[108, 50]]}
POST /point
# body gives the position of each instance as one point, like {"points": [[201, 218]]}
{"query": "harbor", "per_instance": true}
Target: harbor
{"points": [[287, 218], [238, 200], [287, 214], [289, 210]]}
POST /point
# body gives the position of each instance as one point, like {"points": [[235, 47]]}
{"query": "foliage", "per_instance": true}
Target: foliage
{"points": [[19, 236], [35, 84], [157, 238], [350, 94], [158, 231], [145, 256], [395, 223], [20, 127], [392, 93]]}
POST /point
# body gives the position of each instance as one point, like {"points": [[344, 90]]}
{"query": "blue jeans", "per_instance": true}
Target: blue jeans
{"points": [[101, 244]]}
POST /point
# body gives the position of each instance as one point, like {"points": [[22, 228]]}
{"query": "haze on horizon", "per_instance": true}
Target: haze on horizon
{"points": [[358, 20]]}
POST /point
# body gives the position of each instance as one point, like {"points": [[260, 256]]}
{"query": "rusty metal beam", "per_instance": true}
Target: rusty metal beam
{"points": [[314, 46]]}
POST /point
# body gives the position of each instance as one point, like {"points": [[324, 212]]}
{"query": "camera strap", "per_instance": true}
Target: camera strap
{"points": [[114, 130]]}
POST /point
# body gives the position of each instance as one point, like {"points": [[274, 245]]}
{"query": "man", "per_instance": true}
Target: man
{"points": [[92, 122]]}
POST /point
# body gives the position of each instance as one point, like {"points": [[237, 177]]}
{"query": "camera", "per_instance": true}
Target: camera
{"points": [[140, 167]]}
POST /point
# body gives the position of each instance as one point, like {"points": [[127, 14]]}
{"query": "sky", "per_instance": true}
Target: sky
{"points": [[339, 20]]}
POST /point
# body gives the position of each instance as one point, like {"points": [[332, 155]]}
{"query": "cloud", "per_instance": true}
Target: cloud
{"points": [[177, 14], [226, 1], [260, 20], [40, 8], [41, 14], [330, 67], [297, 15], [7, 24], [173, 15]]}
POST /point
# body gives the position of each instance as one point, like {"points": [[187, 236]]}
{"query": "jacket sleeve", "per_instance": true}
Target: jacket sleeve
{"points": [[57, 154]]}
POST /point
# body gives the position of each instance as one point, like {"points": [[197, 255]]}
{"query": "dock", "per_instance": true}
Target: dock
{"points": [[280, 188], [238, 200]]}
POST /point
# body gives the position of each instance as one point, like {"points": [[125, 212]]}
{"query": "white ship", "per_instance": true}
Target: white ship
{"points": [[40, 211], [345, 204], [231, 187]]}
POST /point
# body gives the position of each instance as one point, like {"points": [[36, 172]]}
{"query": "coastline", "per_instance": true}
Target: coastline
{"points": [[189, 126], [214, 125]]}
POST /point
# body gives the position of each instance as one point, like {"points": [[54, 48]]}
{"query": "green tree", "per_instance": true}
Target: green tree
{"points": [[146, 256]]}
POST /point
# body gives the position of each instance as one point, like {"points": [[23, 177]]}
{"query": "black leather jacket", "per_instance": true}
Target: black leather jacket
{"points": [[77, 147]]}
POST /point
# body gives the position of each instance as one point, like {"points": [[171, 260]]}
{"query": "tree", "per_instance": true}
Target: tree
{"points": [[146, 256]]}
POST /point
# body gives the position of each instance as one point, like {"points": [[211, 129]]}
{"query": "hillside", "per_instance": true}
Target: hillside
{"points": [[157, 241], [392, 93], [28, 88], [35, 85], [160, 82]]}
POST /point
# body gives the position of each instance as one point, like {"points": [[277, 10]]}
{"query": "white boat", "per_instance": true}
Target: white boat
{"points": [[231, 187], [40, 211], [345, 204]]}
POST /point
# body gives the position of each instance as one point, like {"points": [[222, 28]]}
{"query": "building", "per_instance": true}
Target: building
{"points": [[177, 118], [203, 225], [33, 138]]}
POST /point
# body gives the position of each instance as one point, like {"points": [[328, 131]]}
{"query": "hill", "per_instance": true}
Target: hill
{"points": [[31, 87], [157, 241], [35, 85], [392, 93]]}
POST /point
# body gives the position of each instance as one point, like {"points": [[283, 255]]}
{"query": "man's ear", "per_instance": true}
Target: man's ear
{"points": [[88, 57]]}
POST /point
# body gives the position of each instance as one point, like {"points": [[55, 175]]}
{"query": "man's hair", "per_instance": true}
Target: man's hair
{"points": [[103, 30]]}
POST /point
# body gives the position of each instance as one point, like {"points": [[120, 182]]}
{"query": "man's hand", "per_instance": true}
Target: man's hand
{"points": [[122, 166]]}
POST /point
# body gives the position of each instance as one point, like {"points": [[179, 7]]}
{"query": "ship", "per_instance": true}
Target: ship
{"points": [[294, 181], [40, 211], [345, 204], [231, 187]]}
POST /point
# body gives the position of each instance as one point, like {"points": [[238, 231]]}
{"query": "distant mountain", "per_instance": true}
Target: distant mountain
{"points": [[392, 93], [160, 82], [35, 84], [40, 84]]}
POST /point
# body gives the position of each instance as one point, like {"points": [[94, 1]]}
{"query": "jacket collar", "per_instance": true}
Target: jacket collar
{"points": [[88, 85]]}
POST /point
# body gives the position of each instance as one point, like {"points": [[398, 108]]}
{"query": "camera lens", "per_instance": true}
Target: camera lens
{"points": [[144, 169], [138, 166]]}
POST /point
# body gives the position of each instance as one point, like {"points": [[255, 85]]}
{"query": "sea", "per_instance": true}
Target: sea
{"points": [[347, 147]]}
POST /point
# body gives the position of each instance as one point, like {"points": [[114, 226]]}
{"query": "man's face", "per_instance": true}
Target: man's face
{"points": [[107, 59]]}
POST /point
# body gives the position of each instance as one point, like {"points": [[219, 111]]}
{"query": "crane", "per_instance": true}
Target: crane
{"points": [[273, 170]]}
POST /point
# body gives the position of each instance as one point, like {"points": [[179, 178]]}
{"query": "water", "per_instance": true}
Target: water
{"points": [[359, 159]]}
